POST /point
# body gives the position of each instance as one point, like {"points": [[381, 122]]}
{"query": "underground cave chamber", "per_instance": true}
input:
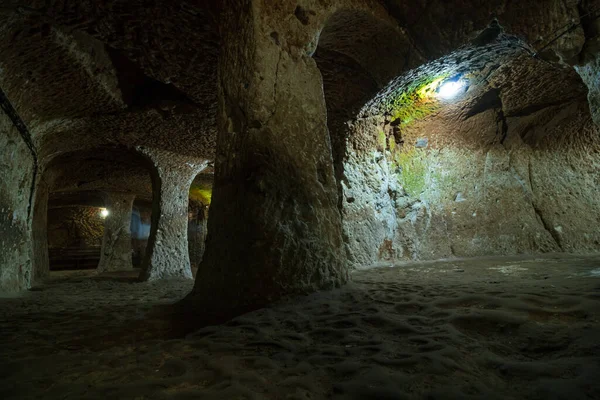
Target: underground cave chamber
{"points": [[387, 167], [94, 212], [333, 199], [390, 167], [490, 150], [77, 219]]}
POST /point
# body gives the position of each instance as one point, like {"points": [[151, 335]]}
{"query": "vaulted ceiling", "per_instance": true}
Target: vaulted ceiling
{"points": [[86, 74]]}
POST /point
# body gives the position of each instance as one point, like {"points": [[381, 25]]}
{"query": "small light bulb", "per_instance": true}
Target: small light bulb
{"points": [[104, 213], [450, 89]]}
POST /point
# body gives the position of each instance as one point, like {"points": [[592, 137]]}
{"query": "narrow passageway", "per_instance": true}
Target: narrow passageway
{"points": [[85, 208]]}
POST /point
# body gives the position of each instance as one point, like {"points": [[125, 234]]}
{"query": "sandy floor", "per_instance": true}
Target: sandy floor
{"points": [[493, 328]]}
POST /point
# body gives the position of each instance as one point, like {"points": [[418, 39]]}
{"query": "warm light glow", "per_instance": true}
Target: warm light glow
{"points": [[450, 89], [103, 212]]}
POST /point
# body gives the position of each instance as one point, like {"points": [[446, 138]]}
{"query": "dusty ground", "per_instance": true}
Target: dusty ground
{"points": [[510, 328]]}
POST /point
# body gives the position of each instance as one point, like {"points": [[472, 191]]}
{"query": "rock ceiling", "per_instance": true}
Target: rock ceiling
{"points": [[86, 74]]}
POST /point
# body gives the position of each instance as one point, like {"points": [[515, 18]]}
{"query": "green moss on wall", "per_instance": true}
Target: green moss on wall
{"points": [[381, 140], [392, 146], [413, 167], [417, 101], [201, 194]]}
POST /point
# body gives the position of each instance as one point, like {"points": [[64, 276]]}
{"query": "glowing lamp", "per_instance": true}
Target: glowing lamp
{"points": [[450, 89], [104, 213]]}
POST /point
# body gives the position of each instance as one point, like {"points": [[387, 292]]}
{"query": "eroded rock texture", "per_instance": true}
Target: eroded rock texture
{"points": [[302, 200], [75, 227], [87, 79], [274, 179], [16, 174], [328, 154], [116, 243], [167, 255], [589, 59], [510, 166]]}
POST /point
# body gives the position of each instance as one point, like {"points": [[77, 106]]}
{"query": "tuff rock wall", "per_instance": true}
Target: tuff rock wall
{"points": [[167, 254], [511, 166], [75, 227], [279, 219], [16, 173]]}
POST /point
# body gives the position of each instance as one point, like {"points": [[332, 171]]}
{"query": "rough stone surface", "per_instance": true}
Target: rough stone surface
{"points": [[590, 73], [589, 65], [39, 227], [80, 178], [16, 173], [496, 328], [101, 170], [280, 81], [275, 193], [135, 73], [167, 254], [510, 167], [439, 26], [75, 226], [116, 243], [589, 59]]}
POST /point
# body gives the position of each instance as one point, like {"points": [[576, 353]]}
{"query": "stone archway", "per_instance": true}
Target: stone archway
{"points": [[107, 177], [357, 56]]}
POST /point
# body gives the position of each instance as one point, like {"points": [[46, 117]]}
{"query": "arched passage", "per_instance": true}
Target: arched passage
{"points": [[358, 55], [89, 196], [384, 119]]}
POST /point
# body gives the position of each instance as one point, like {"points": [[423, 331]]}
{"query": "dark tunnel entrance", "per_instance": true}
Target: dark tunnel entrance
{"points": [[93, 211]]}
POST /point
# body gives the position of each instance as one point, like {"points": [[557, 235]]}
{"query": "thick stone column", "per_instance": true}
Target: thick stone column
{"points": [[167, 252], [116, 243], [274, 227]]}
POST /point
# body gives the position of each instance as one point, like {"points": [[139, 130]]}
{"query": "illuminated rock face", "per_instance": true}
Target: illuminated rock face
{"points": [[491, 171], [274, 227], [116, 243], [309, 183]]}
